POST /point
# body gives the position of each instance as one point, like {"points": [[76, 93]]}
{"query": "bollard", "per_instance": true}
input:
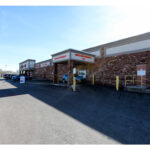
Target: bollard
{"points": [[74, 84], [93, 79], [117, 83]]}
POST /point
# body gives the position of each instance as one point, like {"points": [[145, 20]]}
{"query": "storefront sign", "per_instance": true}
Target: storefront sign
{"points": [[27, 65], [24, 66], [74, 70], [22, 80], [61, 57], [73, 55], [141, 72], [82, 73], [45, 64], [37, 66], [82, 57]]}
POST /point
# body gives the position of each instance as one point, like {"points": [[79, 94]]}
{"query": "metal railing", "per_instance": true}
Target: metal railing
{"points": [[144, 79], [129, 79], [132, 80]]}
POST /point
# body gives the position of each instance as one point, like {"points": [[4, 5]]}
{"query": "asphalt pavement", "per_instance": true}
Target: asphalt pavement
{"points": [[35, 113]]}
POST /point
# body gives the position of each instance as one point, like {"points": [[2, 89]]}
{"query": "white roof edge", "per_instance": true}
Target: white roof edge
{"points": [[80, 51]]}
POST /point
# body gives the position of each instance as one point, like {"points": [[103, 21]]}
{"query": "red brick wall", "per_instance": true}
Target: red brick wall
{"points": [[41, 73], [62, 69], [45, 73], [105, 69]]}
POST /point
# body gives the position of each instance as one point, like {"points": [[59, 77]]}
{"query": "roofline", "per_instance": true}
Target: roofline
{"points": [[27, 60], [43, 61], [113, 42], [67, 50]]}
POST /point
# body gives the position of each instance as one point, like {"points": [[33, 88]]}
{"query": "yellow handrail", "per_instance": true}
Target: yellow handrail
{"points": [[133, 80], [146, 79]]}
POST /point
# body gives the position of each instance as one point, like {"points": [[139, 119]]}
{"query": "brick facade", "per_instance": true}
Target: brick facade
{"points": [[47, 73], [105, 68]]}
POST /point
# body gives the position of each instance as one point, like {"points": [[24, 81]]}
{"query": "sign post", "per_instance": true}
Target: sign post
{"points": [[141, 75]]}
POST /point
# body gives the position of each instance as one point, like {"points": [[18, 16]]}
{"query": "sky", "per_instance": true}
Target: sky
{"points": [[36, 32]]}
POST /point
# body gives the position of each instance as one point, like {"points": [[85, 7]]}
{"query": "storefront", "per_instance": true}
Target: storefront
{"points": [[27, 67], [72, 59], [126, 57], [42, 70]]}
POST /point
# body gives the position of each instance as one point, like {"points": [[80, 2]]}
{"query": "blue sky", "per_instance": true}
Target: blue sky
{"points": [[38, 32]]}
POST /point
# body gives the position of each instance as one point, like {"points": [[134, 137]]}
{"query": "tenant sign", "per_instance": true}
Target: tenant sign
{"points": [[61, 57], [22, 80], [45, 64], [82, 57], [141, 70]]}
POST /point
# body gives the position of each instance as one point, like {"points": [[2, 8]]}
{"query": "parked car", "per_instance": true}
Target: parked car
{"points": [[12, 76], [17, 77], [7, 76]]}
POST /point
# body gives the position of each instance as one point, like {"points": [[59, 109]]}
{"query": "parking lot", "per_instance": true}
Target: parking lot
{"points": [[37, 113]]}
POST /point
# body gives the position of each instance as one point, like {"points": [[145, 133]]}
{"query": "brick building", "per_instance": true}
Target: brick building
{"points": [[124, 57]]}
